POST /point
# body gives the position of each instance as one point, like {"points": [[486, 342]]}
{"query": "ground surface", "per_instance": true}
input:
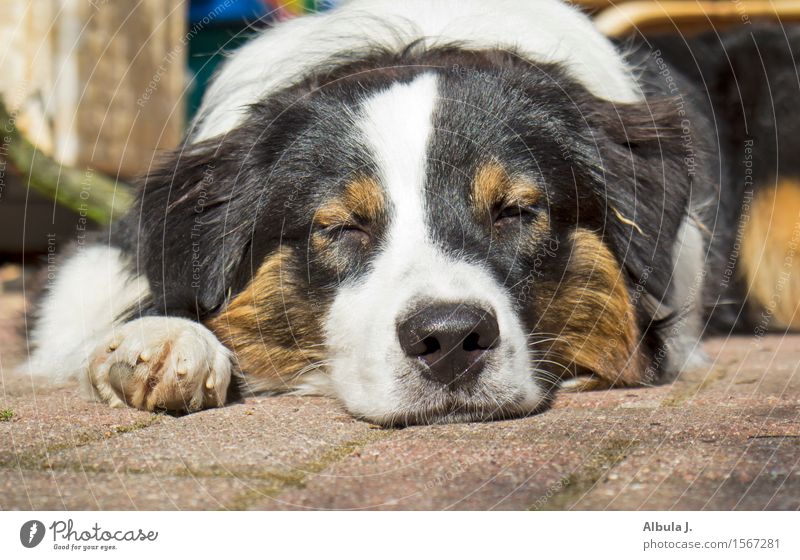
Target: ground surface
{"points": [[724, 438]]}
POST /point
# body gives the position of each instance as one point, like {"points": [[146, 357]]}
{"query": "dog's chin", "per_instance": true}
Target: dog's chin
{"points": [[460, 407]]}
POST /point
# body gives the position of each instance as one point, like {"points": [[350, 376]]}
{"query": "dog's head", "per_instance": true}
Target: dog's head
{"points": [[436, 236]]}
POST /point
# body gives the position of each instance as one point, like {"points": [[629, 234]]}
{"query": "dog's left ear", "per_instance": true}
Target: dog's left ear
{"points": [[644, 184], [198, 242]]}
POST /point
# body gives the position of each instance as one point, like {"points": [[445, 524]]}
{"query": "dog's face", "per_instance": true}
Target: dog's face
{"points": [[424, 244]]}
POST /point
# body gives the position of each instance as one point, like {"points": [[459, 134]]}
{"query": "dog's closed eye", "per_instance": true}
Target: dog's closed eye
{"points": [[350, 233], [511, 214]]}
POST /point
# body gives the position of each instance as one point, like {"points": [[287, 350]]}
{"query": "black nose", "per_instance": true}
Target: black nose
{"points": [[452, 340]]}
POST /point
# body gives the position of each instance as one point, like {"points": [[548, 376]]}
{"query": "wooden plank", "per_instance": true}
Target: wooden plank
{"points": [[76, 74], [131, 64], [683, 15]]}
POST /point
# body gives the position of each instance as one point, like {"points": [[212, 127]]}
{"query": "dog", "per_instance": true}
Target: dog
{"points": [[445, 211]]}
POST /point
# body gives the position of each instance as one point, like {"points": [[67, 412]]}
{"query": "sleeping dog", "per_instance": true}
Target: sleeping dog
{"points": [[445, 211]]}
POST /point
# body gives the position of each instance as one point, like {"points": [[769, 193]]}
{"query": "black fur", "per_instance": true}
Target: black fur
{"points": [[746, 83]]}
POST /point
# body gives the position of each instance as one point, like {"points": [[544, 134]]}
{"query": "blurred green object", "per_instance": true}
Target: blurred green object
{"points": [[87, 192]]}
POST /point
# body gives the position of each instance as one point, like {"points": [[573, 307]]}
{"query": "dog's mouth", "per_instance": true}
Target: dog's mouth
{"points": [[460, 408], [453, 415]]}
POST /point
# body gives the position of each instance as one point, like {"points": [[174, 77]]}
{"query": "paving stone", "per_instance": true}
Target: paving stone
{"points": [[259, 437], [548, 462], [46, 420], [516, 464], [758, 474], [66, 490], [765, 368]]}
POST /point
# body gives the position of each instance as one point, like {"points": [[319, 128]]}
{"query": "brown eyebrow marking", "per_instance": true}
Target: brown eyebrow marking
{"points": [[493, 187], [363, 200]]}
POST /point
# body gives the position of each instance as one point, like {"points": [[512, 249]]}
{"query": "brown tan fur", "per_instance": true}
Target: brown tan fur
{"points": [[770, 254], [362, 204], [362, 201], [591, 312], [493, 188], [271, 327]]}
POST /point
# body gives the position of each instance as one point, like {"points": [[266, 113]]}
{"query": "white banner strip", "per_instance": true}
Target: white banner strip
{"points": [[400, 535]]}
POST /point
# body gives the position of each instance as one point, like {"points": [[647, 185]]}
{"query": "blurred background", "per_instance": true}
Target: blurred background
{"points": [[92, 90], [99, 87]]}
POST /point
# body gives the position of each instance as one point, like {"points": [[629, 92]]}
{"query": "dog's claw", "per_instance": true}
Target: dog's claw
{"points": [[120, 377]]}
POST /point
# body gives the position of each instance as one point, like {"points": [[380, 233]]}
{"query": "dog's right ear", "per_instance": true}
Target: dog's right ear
{"points": [[197, 211]]}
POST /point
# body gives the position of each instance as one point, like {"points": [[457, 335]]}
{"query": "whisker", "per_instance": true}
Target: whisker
{"points": [[546, 375], [542, 341], [311, 367]]}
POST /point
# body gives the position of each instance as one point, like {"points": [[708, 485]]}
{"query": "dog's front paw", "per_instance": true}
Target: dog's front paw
{"points": [[161, 363]]}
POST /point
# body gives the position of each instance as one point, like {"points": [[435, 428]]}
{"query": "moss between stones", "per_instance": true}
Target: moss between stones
{"points": [[571, 489], [683, 392], [40, 460], [297, 477]]}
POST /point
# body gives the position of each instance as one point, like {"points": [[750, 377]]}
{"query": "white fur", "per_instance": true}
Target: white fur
{"points": [[683, 339], [79, 335], [367, 363], [542, 30], [88, 293]]}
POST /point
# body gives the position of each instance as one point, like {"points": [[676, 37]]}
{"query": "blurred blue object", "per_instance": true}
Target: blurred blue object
{"points": [[226, 10]]}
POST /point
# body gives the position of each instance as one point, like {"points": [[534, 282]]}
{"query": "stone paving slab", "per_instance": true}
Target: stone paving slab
{"points": [[259, 437], [68, 490], [766, 368], [555, 461], [47, 420], [757, 474], [516, 464]]}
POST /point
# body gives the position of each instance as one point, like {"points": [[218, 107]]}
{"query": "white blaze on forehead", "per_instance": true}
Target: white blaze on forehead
{"points": [[397, 126]]}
